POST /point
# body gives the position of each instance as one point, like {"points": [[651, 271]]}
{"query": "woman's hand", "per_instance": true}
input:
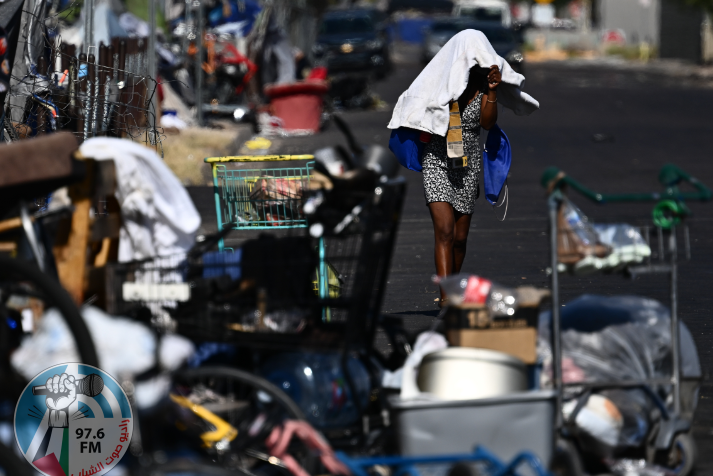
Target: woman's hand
{"points": [[494, 77], [488, 108]]}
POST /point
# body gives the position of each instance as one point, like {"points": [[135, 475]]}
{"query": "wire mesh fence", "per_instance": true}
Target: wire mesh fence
{"points": [[103, 90]]}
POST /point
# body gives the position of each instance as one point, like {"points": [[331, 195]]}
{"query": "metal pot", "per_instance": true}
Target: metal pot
{"points": [[461, 373]]}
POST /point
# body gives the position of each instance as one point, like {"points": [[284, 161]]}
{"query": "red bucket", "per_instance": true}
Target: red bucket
{"points": [[299, 105]]}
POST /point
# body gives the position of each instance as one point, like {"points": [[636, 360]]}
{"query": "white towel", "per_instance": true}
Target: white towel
{"points": [[424, 105], [158, 214]]}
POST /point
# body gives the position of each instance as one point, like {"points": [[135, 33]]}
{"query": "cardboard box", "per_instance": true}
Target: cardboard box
{"points": [[477, 316], [518, 342]]}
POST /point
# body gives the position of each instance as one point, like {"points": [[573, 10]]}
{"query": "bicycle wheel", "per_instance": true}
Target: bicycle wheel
{"points": [[26, 294], [248, 403]]}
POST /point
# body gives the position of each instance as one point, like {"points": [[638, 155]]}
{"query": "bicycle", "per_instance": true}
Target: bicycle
{"points": [[27, 288]]}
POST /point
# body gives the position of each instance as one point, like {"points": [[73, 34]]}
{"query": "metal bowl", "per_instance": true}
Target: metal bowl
{"points": [[461, 373]]}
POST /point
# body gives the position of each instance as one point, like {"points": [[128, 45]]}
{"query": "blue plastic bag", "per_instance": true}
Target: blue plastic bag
{"points": [[406, 145], [496, 163]]}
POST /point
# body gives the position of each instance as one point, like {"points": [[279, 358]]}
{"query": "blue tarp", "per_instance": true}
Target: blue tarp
{"points": [[240, 10], [411, 30]]}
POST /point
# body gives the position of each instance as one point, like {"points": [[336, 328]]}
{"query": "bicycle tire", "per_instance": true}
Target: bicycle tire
{"points": [[247, 378], [12, 464], [60, 299]]}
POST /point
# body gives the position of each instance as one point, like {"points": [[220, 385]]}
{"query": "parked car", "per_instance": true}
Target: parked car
{"points": [[504, 40], [350, 41], [496, 11], [426, 6]]}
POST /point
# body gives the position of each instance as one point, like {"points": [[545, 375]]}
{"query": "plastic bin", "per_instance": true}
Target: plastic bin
{"points": [[299, 105], [505, 425]]}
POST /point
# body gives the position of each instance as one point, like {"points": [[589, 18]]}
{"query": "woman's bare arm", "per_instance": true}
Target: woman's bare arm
{"points": [[489, 106]]}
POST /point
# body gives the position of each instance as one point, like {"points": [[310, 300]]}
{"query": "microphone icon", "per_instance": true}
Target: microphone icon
{"points": [[91, 385]]}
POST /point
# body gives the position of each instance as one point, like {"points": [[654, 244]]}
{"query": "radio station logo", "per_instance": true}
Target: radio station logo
{"points": [[73, 420]]}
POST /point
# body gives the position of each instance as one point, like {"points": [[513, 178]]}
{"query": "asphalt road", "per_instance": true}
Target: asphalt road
{"points": [[649, 119]]}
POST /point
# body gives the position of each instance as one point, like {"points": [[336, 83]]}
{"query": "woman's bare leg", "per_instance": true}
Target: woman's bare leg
{"points": [[460, 239], [443, 218]]}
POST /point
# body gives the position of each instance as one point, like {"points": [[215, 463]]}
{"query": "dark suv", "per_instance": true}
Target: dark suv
{"points": [[352, 41]]}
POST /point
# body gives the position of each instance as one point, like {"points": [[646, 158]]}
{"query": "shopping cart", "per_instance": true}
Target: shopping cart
{"points": [[259, 198], [215, 296], [662, 255], [267, 198]]}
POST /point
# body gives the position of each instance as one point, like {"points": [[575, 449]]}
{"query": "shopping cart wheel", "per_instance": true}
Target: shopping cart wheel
{"points": [[681, 458], [251, 405], [566, 460]]}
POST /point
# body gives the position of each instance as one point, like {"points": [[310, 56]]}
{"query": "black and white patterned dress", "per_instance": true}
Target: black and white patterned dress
{"points": [[458, 186]]}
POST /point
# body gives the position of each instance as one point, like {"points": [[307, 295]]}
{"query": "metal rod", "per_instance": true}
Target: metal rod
{"points": [[31, 236], [103, 86], [702, 192], [152, 72], [123, 79], [88, 25], [199, 65], [121, 68], [216, 196], [687, 239], [620, 383], [553, 204], [675, 337], [90, 116], [82, 94], [93, 93]]}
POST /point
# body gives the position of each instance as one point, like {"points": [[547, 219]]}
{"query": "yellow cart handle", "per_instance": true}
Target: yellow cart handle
{"points": [[257, 158]]}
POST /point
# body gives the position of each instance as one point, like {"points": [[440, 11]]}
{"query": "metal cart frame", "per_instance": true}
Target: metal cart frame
{"points": [[234, 187], [670, 177], [232, 190]]}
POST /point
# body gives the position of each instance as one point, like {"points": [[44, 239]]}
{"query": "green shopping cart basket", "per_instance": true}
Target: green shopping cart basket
{"points": [[259, 198], [267, 198]]}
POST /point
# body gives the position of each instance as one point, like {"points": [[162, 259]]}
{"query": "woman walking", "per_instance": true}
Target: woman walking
{"points": [[468, 80]]}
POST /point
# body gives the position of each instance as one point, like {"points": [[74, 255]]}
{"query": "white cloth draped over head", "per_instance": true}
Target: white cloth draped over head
{"points": [[425, 104]]}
